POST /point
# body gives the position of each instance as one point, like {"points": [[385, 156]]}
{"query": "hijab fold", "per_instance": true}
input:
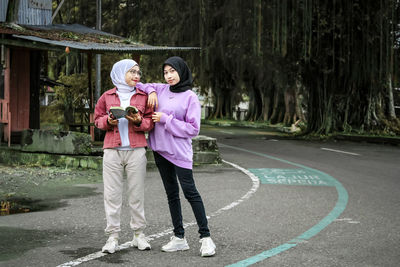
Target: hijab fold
{"points": [[118, 72], [185, 75]]}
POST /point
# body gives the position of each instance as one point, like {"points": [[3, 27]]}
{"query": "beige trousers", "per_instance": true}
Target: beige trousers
{"points": [[115, 163]]}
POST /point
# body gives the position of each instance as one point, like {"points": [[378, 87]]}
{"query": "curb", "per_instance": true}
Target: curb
{"points": [[14, 156], [205, 151], [369, 139], [285, 132]]}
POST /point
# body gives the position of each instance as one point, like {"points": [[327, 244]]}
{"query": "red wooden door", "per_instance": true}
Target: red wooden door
{"points": [[19, 89]]}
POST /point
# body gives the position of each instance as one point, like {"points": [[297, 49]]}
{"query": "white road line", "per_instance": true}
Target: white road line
{"points": [[343, 219], [227, 132], [340, 151], [348, 220], [253, 189]]}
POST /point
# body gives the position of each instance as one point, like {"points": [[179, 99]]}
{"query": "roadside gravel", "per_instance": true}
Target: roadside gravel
{"points": [[27, 188]]}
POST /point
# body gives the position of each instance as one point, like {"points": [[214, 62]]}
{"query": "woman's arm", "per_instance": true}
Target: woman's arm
{"points": [[152, 89], [101, 116], [188, 128], [146, 123]]}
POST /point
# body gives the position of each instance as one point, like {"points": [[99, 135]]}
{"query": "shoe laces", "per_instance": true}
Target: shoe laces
{"points": [[172, 238], [139, 235], [142, 237], [111, 239], [206, 242]]}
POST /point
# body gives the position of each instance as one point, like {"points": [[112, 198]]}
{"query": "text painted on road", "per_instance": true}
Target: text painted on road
{"points": [[292, 177]]}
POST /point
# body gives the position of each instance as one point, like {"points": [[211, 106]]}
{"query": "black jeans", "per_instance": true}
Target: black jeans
{"points": [[169, 173]]}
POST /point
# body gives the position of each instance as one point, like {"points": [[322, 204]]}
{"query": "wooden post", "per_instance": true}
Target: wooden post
{"points": [[7, 127], [98, 56], [136, 57], [91, 97], [34, 106]]}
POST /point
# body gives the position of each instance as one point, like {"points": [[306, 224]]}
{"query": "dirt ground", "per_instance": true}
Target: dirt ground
{"points": [[29, 188]]}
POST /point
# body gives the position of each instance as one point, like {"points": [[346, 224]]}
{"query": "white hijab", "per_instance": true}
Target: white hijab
{"points": [[118, 75]]}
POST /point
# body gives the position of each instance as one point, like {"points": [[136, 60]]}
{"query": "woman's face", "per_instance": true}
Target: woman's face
{"points": [[171, 76], [133, 75]]}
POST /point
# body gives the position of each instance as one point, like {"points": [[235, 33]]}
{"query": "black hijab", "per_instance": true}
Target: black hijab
{"points": [[185, 75]]}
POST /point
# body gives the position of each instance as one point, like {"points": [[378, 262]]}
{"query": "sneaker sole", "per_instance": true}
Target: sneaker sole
{"points": [[110, 251], [177, 249], [145, 248], [140, 248], [208, 254]]}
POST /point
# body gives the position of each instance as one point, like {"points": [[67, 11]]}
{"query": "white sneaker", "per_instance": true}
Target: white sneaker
{"points": [[111, 245], [175, 244], [207, 247], [139, 241]]}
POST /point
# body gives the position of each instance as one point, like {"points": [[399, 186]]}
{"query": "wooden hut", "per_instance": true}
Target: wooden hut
{"points": [[22, 43]]}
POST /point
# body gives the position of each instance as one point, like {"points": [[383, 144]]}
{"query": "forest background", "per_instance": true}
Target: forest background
{"points": [[329, 66]]}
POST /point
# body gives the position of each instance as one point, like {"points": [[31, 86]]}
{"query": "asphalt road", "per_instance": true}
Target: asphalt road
{"points": [[282, 203], [366, 232]]}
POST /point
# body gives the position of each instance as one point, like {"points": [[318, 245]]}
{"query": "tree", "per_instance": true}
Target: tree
{"points": [[73, 96], [241, 54], [347, 62], [335, 60]]}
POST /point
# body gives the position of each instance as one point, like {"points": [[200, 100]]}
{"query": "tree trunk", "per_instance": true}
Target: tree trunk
{"points": [[327, 111], [258, 101], [290, 102], [275, 110], [346, 125], [266, 108], [392, 113], [12, 11], [298, 105], [251, 111], [218, 107]]}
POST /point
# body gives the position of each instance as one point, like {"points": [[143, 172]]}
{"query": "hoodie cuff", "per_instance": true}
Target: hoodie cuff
{"points": [[163, 118]]}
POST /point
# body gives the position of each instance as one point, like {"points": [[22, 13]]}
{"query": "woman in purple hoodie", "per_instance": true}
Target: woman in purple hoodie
{"points": [[177, 121]]}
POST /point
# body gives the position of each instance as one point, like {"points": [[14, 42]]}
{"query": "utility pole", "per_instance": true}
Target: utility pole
{"points": [[95, 133], [98, 56]]}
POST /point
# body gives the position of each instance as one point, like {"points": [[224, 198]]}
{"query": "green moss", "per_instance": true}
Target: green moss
{"points": [[16, 157], [82, 143]]}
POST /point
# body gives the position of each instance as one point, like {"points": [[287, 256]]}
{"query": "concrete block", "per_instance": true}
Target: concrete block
{"points": [[206, 157], [56, 142], [204, 143]]}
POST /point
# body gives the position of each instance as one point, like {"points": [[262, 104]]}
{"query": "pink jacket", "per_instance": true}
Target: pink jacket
{"points": [[136, 133]]}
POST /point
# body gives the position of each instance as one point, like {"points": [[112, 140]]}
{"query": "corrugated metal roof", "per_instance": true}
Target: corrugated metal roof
{"points": [[103, 47], [78, 37], [77, 28]]}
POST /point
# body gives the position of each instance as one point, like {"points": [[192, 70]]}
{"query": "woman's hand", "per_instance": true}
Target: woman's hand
{"points": [[134, 118], [152, 100], [112, 121], [156, 116]]}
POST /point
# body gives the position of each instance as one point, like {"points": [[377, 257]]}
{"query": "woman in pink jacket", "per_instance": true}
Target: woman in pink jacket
{"points": [[124, 151], [177, 121]]}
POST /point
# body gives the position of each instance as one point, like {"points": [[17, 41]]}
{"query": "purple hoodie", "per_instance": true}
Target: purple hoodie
{"points": [[172, 136]]}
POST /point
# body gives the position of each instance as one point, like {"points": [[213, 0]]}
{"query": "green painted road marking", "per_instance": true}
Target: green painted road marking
{"points": [[292, 177], [333, 215]]}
